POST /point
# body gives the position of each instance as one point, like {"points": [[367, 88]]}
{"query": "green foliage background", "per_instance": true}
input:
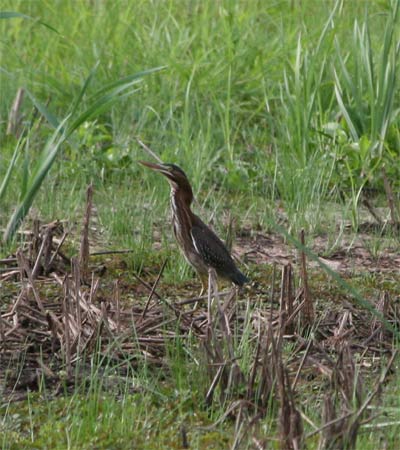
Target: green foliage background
{"points": [[275, 109], [260, 100]]}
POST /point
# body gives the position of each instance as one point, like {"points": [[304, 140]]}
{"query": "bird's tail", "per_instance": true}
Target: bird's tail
{"points": [[239, 278]]}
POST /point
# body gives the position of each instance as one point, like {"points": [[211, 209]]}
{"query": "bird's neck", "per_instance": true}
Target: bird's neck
{"points": [[180, 202], [182, 196]]}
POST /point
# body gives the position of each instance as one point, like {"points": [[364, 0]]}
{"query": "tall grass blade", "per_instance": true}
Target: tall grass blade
{"points": [[51, 118], [84, 88], [10, 168], [13, 15], [127, 80], [51, 151], [17, 15], [101, 101], [25, 169], [344, 110], [101, 105]]}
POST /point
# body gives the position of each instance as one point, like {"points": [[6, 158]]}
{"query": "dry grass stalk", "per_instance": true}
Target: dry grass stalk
{"points": [[372, 211], [307, 313], [239, 425], [37, 266], [57, 249], [273, 278], [184, 437], [289, 420], [25, 270], [211, 292], [340, 429], [219, 348], [153, 289], [346, 379], [230, 231], [383, 307], [2, 334], [341, 416], [292, 317], [390, 198], [389, 312], [287, 300], [301, 365], [43, 248], [85, 321], [67, 338], [36, 240], [117, 306], [259, 445], [149, 151], [48, 247], [289, 296], [146, 285], [263, 372], [84, 248], [76, 273], [54, 328], [254, 368], [94, 285], [282, 299], [377, 389], [15, 116], [330, 438]]}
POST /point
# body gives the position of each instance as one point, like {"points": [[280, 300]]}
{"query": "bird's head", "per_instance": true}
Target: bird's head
{"points": [[176, 176]]}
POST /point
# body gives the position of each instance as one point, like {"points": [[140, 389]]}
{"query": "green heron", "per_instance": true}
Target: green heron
{"points": [[200, 245]]}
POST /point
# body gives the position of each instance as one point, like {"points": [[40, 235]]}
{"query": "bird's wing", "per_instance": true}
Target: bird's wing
{"points": [[210, 247]]}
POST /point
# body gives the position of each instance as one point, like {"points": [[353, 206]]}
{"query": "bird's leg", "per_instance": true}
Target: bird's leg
{"points": [[212, 291], [204, 285], [214, 281]]}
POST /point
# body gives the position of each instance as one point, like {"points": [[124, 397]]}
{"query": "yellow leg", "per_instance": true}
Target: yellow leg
{"points": [[213, 281], [204, 287], [204, 284], [212, 291]]}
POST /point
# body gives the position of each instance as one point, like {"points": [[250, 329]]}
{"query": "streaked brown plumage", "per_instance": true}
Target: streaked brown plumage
{"points": [[200, 245]]}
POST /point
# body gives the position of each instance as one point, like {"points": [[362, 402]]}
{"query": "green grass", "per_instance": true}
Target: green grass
{"points": [[247, 103], [148, 407], [103, 420], [275, 110]]}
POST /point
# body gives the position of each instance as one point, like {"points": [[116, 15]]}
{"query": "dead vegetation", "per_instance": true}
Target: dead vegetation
{"points": [[57, 316]]}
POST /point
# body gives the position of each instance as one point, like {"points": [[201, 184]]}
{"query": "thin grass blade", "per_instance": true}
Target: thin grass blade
{"points": [[27, 200], [84, 88], [10, 168]]}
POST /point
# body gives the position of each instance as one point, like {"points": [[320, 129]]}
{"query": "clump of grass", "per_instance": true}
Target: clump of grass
{"points": [[259, 106]]}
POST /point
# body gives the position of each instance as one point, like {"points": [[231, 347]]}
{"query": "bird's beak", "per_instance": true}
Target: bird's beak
{"points": [[156, 167]]}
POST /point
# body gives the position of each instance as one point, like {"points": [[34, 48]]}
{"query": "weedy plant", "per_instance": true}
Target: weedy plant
{"points": [[366, 88], [36, 170]]}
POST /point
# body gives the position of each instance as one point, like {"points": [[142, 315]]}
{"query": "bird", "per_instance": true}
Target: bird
{"points": [[201, 247]]}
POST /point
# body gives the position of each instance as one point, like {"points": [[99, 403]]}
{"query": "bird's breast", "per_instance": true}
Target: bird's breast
{"points": [[182, 226]]}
